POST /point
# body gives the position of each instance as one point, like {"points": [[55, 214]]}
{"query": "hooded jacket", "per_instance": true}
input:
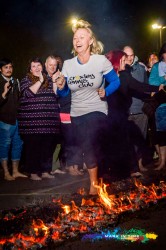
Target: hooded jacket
{"points": [[138, 72]]}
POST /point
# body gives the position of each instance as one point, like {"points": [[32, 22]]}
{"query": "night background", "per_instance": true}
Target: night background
{"points": [[42, 27]]}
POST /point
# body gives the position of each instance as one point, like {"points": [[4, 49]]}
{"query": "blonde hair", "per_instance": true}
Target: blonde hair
{"points": [[96, 47]]}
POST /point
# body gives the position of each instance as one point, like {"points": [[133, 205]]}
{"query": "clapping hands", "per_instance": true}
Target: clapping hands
{"points": [[41, 78], [58, 80]]}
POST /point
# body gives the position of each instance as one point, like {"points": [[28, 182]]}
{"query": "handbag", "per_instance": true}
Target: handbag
{"points": [[154, 102]]}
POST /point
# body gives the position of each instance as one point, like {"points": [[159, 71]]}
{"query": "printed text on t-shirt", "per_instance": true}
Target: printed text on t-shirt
{"points": [[81, 81]]}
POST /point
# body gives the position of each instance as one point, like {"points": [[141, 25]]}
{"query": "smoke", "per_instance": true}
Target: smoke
{"points": [[42, 27], [106, 23]]}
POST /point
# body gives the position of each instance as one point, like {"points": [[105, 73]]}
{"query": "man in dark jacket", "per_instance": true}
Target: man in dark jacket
{"points": [[138, 71], [10, 140]]}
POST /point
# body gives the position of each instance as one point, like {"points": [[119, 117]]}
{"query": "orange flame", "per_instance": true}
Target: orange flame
{"points": [[89, 215]]}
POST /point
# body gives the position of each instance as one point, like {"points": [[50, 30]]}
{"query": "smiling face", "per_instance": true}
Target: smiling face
{"points": [[130, 55], [36, 68], [51, 65], [82, 41], [152, 59]]}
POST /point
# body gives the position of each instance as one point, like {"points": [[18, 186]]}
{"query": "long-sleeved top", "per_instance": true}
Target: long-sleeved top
{"points": [[155, 79], [121, 100], [9, 105], [38, 113], [139, 73], [160, 114]]}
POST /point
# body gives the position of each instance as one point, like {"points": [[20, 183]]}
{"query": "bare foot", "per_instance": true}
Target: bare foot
{"points": [[160, 167], [142, 168], [73, 170], [157, 163], [93, 190], [9, 177], [18, 174]]}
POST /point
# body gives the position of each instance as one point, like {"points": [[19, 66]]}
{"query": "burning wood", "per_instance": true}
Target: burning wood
{"points": [[36, 227]]}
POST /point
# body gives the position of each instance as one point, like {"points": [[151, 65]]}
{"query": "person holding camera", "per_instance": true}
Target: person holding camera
{"points": [[10, 141]]}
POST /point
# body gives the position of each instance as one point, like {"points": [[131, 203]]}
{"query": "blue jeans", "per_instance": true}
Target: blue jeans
{"points": [[10, 141]]}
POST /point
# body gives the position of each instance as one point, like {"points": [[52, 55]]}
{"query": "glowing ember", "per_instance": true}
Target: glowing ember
{"points": [[92, 215]]}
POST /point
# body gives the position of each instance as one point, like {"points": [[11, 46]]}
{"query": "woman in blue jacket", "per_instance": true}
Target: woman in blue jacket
{"points": [[157, 77]]}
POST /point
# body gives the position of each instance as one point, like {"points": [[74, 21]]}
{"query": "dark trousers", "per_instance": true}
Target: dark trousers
{"points": [[88, 130], [142, 150], [38, 152], [118, 159]]}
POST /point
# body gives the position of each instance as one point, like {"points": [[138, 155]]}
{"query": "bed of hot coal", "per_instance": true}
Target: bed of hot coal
{"points": [[46, 226]]}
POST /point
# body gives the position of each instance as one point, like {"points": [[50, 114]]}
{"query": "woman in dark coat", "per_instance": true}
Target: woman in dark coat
{"points": [[126, 144]]}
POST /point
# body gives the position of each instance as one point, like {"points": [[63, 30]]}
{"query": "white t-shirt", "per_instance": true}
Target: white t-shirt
{"points": [[83, 80]]}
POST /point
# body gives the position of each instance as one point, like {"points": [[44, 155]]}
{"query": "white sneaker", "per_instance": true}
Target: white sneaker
{"points": [[35, 177], [58, 171], [47, 175]]}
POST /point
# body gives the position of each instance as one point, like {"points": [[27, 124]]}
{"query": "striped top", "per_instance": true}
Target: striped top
{"points": [[38, 113]]}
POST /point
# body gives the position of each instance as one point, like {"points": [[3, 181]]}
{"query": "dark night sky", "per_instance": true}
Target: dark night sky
{"points": [[40, 27]]}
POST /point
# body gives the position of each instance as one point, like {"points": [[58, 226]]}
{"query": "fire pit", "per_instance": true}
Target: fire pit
{"points": [[37, 227]]}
